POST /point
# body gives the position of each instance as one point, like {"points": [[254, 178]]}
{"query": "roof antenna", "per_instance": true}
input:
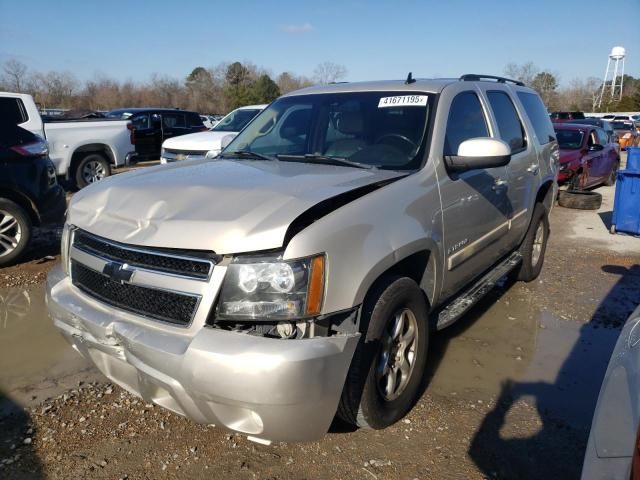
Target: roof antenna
{"points": [[409, 79]]}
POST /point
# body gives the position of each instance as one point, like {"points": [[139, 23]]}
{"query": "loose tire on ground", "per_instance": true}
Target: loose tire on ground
{"points": [[579, 199], [91, 168], [15, 231], [366, 401], [534, 245]]}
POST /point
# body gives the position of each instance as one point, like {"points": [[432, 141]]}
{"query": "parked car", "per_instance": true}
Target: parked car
{"points": [[613, 449], [83, 151], [209, 144], [152, 126], [606, 125], [588, 157], [210, 121], [29, 193], [623, 118], [628, 134], [304, 271], [566, 116]]}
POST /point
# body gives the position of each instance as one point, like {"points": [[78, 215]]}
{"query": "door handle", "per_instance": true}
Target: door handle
{"points": [[533, 169], [498, 184]]}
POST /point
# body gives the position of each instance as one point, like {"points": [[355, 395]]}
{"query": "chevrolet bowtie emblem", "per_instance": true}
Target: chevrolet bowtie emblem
{"points": [[118, 271]]}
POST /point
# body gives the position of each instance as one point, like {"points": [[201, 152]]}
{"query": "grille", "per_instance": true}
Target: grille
{"points": [[187, 152], [158, 304], [153, 259]]}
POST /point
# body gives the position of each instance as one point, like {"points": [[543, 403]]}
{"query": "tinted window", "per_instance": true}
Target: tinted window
{"points": [[12, 111], [194, 120], [466, 120], [173, 120], [509, 125], [537, 113], [140, 121], [236, 120]]}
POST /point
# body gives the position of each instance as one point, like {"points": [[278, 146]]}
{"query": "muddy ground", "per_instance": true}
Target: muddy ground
{"points": [[510, 391]]}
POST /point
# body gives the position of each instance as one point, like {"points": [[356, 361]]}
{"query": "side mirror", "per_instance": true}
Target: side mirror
{"points": [[226, 140], [596, 147], [478, 153]]}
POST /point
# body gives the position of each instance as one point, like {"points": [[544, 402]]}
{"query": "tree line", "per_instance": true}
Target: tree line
{"points": [[226, 86], [217, 89]]}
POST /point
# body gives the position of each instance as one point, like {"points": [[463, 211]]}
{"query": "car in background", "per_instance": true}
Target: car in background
{"points": [[29, 192], [613, 449], [627, 133], [624, 118], [587, 156], [209, 144], [566, 116], [598, 122], [208, 121], [83, 151], [152, 126]]}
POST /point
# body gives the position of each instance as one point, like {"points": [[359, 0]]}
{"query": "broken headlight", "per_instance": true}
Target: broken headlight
{"points": [[269, 288]]}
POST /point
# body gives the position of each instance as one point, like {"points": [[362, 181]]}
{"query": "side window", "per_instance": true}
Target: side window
{"points": [[140, 121], [12, 109], [194, 120], [603, 137], [466, 120], [173, 120], [537, 113], [509, 124]]}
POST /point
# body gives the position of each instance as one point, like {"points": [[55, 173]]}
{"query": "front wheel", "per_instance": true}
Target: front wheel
{"points": [[534, 245], [386, 373], [92, 168]]}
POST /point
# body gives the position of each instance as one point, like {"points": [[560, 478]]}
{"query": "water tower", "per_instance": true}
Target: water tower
{"points": [[616, 57]]}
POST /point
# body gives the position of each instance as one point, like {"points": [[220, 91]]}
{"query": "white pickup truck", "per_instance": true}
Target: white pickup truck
{"points": [[83, 151]]}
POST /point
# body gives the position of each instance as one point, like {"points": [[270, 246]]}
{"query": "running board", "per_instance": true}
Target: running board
{"points": [[464, 302]]}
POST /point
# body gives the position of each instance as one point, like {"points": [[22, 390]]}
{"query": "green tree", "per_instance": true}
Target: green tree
{"points": [[239, 86], [546, 84], [265, 90]]}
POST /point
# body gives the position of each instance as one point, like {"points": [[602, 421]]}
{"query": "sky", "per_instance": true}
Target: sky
{"points": [[373, 40]]}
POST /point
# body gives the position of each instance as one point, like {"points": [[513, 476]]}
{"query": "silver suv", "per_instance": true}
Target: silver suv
{"points": [[302, 273]]}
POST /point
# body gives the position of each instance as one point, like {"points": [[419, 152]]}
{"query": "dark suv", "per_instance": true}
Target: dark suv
{"points": [[29, 193], [566, 116], [152, 126]]}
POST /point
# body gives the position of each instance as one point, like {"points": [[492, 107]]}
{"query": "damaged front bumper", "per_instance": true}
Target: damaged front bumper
{"points": [[268, 389]]}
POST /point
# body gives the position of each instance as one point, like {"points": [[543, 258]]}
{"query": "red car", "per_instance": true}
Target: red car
{"points": [[587, 156]]}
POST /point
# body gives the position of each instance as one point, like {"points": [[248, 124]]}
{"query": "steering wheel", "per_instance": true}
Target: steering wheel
{"points": [[406, 140]]}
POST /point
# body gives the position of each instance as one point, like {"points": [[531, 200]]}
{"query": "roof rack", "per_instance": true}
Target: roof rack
{"points": [[474, 77]]}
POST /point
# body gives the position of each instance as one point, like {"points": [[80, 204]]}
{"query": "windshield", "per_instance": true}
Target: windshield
{"points": [[621, 126], [236, 120], [569, 139], [377, 129]]}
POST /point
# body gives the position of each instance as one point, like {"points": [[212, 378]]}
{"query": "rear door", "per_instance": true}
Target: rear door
{"points": [[475, 204], [523, 167], [144, 134], [174, 124]]}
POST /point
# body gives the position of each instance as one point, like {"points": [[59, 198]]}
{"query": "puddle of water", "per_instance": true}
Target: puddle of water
{"points": [[32, 352], [557, 365]]}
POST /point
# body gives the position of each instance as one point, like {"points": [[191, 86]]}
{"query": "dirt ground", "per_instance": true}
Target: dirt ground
{"points": [[510, 390]]}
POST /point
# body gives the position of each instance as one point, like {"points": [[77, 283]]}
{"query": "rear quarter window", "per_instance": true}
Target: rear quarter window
{"points": [[538, 116], [12, 111], [194, 120]]}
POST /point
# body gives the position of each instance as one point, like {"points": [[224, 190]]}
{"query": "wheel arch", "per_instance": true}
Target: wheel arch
{"points": [[545, 195], [90, 148]]}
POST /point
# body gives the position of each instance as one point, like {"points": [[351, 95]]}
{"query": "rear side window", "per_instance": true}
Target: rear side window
{"points": [[509, 124], [140, 121], [12, 111], [466, 120], [539, 117], [173, 120], [194, 120]]}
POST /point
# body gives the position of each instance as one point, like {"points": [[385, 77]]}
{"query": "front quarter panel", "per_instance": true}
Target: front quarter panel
{"points": [[366, 237]]}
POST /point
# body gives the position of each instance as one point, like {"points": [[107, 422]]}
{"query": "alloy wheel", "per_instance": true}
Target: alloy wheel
{"points": [[92, 171], [10, 233]]}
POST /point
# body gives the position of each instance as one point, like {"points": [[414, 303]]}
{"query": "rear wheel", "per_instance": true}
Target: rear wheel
{"points": [[15, 231], [92, 168], [611, 179], [384, 379]]}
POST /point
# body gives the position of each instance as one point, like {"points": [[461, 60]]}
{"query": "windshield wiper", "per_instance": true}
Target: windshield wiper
{"points": [[246, 154], [313, 158]]}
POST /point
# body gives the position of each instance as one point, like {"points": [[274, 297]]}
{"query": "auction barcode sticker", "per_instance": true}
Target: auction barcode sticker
{"points": [[403, 101]]}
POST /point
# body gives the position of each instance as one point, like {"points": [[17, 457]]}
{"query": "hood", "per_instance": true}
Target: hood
{"points": [[198, 141], [228, 206]]}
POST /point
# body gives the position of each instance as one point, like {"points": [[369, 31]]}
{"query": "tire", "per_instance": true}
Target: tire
{"points": [[366, 400], [534, 245], [90, 169], [611, 179], [579, 199], [15, 231]]}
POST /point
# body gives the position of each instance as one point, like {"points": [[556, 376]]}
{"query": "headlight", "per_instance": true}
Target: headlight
{"points": [[269, 288]]}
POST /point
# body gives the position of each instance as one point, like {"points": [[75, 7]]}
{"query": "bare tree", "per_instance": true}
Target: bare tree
{"points": [[15, 75], [328, 72], [525, 73]]}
